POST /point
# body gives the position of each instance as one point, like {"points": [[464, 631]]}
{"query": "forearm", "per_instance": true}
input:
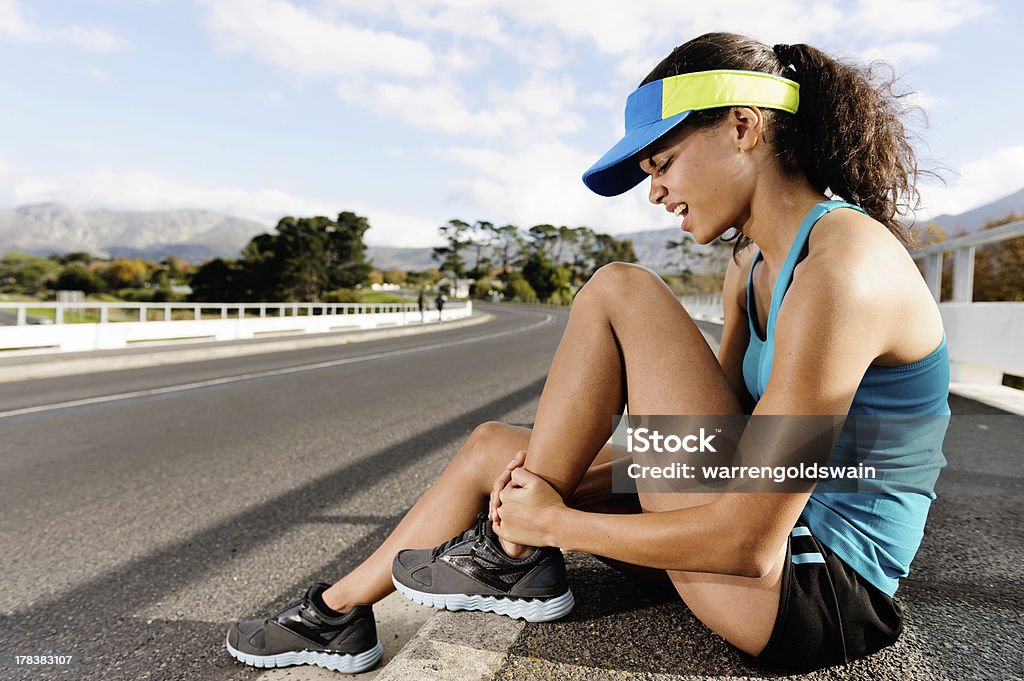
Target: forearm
{"points": [[697, 539]]}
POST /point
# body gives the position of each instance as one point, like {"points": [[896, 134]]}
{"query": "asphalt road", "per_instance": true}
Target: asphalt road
{"points": [[135, 528]]}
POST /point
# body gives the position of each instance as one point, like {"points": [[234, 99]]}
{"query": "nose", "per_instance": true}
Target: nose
{"points": [[657, 192]]}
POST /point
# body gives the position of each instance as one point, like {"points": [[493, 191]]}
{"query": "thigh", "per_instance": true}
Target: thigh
{"points": [[669, 366]]}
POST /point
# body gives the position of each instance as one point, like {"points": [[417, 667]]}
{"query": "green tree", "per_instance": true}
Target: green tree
{"points": [[608, 249], [456, 235], [508, 242], [220, 281], [24, 273], [683, 249], [76, 276], [481, 239]]}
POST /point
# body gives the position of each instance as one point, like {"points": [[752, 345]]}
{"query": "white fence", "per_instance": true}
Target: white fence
{"points": [[51, 325]]}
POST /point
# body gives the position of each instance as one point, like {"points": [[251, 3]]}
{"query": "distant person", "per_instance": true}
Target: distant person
{"points": [[421, 303], [731, 134], [439, 302]]}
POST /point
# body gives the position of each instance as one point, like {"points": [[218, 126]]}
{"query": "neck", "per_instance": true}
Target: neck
{"points": [[778, 207]]}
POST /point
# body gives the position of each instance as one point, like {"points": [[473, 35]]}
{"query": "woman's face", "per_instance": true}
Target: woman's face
{"points": [[703, 176]]}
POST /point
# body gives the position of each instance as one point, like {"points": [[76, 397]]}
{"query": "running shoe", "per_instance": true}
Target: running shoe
{"points": [[472, 572], [307, 632]]}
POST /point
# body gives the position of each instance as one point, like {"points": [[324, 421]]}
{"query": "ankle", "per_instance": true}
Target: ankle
{"points": [[336, 599], [515, 551]]}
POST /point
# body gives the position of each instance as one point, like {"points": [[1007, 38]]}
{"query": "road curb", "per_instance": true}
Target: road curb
{"points": [[55, 365], [455, 646]]}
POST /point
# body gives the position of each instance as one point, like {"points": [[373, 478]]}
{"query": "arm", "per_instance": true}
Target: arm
{"points": [[817, 369]]}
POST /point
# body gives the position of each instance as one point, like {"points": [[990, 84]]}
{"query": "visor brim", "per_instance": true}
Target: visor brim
{"points": [[618, 170]]}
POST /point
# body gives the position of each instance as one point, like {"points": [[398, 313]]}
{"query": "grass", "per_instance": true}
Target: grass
{"points": [[382, 297]]}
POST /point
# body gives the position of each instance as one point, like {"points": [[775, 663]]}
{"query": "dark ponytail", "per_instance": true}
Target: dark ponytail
{"points": [[847, 136]]}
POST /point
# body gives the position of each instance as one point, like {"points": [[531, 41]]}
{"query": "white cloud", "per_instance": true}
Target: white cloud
{"points": [[913, 17], [902, 52], [14, 27], [976, 183], [539, 106], [540, 183], [294, 38], [141, 190]]}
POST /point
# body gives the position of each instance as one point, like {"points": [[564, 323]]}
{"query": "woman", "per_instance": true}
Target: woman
{"points": [[731, 134]]}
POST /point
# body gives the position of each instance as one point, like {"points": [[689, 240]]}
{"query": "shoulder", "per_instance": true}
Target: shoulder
{"points": [[860, 281], [854, 260]]}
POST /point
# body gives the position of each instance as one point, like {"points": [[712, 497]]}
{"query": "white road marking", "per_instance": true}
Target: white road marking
{"points": [[548, 318]]}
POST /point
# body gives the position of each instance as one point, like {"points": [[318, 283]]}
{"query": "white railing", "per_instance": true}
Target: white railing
{"points": [[143, 312], [704, 306], [116, 325], [985, 339], [963, 248]]}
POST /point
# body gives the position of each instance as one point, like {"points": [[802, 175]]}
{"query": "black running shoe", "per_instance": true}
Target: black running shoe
{"points": [[303, 633], [471, 572]]}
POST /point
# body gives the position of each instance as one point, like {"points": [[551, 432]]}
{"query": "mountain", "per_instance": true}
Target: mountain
{"points": [[386, 258], [973, 220], [197, 235], [193, 235]]}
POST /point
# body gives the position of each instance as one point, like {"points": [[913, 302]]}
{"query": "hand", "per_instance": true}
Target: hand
{"points": [[499, 484], [527, 509]]}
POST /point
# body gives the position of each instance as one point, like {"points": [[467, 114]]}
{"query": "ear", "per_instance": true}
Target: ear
{"points": [[747, 124]]}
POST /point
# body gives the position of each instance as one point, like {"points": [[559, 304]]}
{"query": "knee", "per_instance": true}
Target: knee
{"points": [[486, 447], [612, 282]]}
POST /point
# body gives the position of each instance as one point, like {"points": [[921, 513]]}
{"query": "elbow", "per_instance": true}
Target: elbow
{"points": [[753, 557]]}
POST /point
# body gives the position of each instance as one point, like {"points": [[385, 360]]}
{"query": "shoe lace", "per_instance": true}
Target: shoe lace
{"points": [[473, 532]]}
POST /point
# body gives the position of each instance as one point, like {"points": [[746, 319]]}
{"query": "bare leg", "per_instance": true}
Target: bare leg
{"points": [[630, 341], [451, 504]]}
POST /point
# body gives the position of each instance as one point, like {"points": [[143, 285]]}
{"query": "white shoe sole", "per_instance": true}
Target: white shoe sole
{"points": [[529, 609], [339, 662]]}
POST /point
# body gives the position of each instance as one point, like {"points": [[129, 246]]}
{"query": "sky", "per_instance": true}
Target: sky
{"points": [[413, 112]]}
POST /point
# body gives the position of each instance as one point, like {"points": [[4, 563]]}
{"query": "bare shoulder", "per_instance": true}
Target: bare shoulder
{"points": [[855, 260]]}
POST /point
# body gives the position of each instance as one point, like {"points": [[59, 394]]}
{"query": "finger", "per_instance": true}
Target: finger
{"points": [[518, 460], [523, 478]]}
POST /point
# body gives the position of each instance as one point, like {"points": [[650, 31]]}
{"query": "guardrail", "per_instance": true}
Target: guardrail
{"points": [[116, 325], [984, 338], [195, 311]]}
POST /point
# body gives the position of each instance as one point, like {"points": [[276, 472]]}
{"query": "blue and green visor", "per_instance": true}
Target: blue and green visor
{"points": [[657, 107]]}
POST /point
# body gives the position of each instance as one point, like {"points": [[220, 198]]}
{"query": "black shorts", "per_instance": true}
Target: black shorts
{"points": [[828, 614]]}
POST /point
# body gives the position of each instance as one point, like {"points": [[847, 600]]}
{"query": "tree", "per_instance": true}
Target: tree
{"points": [[124, 273], [999, 267], [76, 276], [684, 250], [395, 276], [23, 273], [481, 238], [509, 242], [609, 249], [220, 280], [456, 236]]}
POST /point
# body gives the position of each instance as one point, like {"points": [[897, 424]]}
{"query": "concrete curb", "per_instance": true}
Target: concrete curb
{"points": [[54, 365], [455, 646]]}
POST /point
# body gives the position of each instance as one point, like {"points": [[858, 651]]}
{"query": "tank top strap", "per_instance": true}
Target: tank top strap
{"points": [[785, 277]]}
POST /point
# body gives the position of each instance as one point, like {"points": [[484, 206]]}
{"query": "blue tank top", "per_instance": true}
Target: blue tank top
{"points": [[877, 534]]}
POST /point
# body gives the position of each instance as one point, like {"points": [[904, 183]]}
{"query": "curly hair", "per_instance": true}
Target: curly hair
{"points": [[848, 135]]}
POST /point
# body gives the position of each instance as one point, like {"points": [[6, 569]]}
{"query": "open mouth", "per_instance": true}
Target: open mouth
{"points": [[681, 210]]}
